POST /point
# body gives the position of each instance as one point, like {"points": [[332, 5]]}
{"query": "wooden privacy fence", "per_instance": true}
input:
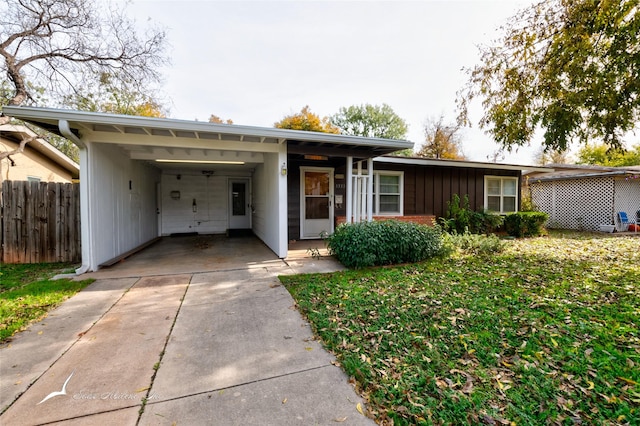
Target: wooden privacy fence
{"points": [[40, 222]]}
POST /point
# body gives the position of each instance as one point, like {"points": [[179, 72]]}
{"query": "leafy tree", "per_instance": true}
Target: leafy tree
{"points": [[55, 44], [570, 67], [306, 120], [602, 155], [442, 140], [114, 96], [404, 153], [372, 121], [543, 157], [215, 119]]}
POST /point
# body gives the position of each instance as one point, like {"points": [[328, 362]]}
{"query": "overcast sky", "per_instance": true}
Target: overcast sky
{"points": [[257, 61]]}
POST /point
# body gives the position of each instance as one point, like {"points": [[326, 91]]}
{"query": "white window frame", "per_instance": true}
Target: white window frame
{"points": [[502, 195], [376, 192]]}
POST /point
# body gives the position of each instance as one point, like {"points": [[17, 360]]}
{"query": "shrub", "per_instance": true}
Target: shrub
{"points": [[458, 215], [485, 222], [525, 224], [386, 242], [475, 243], [461, 219]]}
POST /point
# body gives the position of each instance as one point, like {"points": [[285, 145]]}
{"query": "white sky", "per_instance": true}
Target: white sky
{"points": [[257, 61]]}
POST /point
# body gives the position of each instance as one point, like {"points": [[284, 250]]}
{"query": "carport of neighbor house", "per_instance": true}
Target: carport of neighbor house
{"points": [[191, 254]]}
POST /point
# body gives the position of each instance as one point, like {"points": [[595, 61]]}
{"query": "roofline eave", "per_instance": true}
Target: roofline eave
{"points": [[51, 116]]}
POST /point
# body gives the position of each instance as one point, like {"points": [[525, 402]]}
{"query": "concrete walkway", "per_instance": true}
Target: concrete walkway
{"points": [[142, 345]]}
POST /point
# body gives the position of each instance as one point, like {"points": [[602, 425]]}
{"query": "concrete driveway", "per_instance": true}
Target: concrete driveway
{"points": [[190, 331]]}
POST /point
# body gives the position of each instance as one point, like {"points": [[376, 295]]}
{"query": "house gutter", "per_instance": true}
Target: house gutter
{"points": [[65, 130]]}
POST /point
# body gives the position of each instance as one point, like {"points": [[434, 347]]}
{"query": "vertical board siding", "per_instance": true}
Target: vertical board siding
{"points": [[428, 189], [40, 222]]}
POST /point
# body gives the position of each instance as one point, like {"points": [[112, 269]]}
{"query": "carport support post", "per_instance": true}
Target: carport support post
{"points": [[370, 190], [349, 190]]}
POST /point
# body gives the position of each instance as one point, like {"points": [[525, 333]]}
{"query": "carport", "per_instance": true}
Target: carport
{"points": [[142, 178]]}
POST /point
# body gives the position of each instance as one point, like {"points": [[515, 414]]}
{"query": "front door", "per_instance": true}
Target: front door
{"points": [[316, 209], [239, 204]]}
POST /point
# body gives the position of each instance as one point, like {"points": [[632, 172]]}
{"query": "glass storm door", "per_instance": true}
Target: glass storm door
{"points": [[239, 206], [316, 209]]}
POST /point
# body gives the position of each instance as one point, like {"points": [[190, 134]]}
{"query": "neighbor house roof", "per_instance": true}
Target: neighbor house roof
{"points": [[79, 121], [16, 133], [583, 171]]}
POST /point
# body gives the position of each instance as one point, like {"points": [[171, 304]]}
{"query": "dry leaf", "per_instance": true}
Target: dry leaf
{"points": [[284, 401], [340, 419], [631, 382], [359, 408], [468, 387]]}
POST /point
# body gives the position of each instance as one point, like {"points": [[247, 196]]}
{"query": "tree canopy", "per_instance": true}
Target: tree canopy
{"points": [[215, 119], [50, 47], [306, 120], [602, 155], [114, 96], [442, 140], [569, 67], [372, 121], [543, 157]]}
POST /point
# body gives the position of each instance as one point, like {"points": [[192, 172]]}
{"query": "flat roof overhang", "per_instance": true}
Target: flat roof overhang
{"points": [[459, 163], [143, 131]]}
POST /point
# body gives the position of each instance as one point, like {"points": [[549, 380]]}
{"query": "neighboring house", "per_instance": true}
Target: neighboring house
{"points": [[584, 197], [39, 162], [147, 177]]}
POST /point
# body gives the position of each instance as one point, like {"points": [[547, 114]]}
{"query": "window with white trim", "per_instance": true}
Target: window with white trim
{"points": [[33, 179], [387, 193], [501, 194]]}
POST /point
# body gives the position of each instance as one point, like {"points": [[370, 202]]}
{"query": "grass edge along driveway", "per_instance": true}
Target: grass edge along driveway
{"points": [[27, 293], [546, 332]]}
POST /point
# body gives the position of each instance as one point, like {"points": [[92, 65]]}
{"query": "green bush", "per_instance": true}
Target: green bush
{"points": [[475, 243], [386, 242], [525, 224], [460, 218]]}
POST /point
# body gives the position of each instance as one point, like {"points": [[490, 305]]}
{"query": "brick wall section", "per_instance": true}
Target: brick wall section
{"points": [[422, 219]]}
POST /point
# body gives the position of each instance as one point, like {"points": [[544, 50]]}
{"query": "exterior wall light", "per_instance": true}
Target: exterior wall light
{"points": [[283, 169]]}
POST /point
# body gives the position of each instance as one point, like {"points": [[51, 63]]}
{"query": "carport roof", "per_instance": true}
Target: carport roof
{"points": [[82, 121]]}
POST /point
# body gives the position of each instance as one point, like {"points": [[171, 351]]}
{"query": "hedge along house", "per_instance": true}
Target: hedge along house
{"points": [[141, 178]]}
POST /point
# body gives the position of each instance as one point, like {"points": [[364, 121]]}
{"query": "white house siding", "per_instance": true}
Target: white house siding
{"points": [[212, 202], [123, 210], [270, 203]]}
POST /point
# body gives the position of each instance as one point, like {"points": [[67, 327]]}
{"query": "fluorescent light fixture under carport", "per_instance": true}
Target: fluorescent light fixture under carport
{"points": [[200, 161]]}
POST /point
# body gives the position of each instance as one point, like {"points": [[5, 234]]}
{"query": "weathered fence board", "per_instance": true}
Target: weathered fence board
{"points": [[40, 222]]}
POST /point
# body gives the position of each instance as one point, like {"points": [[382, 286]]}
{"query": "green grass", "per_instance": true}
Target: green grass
{"points": [[27, 293], [546, 332]]}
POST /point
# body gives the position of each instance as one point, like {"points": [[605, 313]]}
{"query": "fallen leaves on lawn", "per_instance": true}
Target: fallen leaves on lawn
{"points": [[466, 340]]}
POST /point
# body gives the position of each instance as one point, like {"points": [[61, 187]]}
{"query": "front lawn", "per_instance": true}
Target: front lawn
{"points": [[546, 332], [27, 293]]}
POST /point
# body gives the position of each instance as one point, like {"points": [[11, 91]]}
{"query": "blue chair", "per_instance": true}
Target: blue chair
{"points": [[623, 221]]}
